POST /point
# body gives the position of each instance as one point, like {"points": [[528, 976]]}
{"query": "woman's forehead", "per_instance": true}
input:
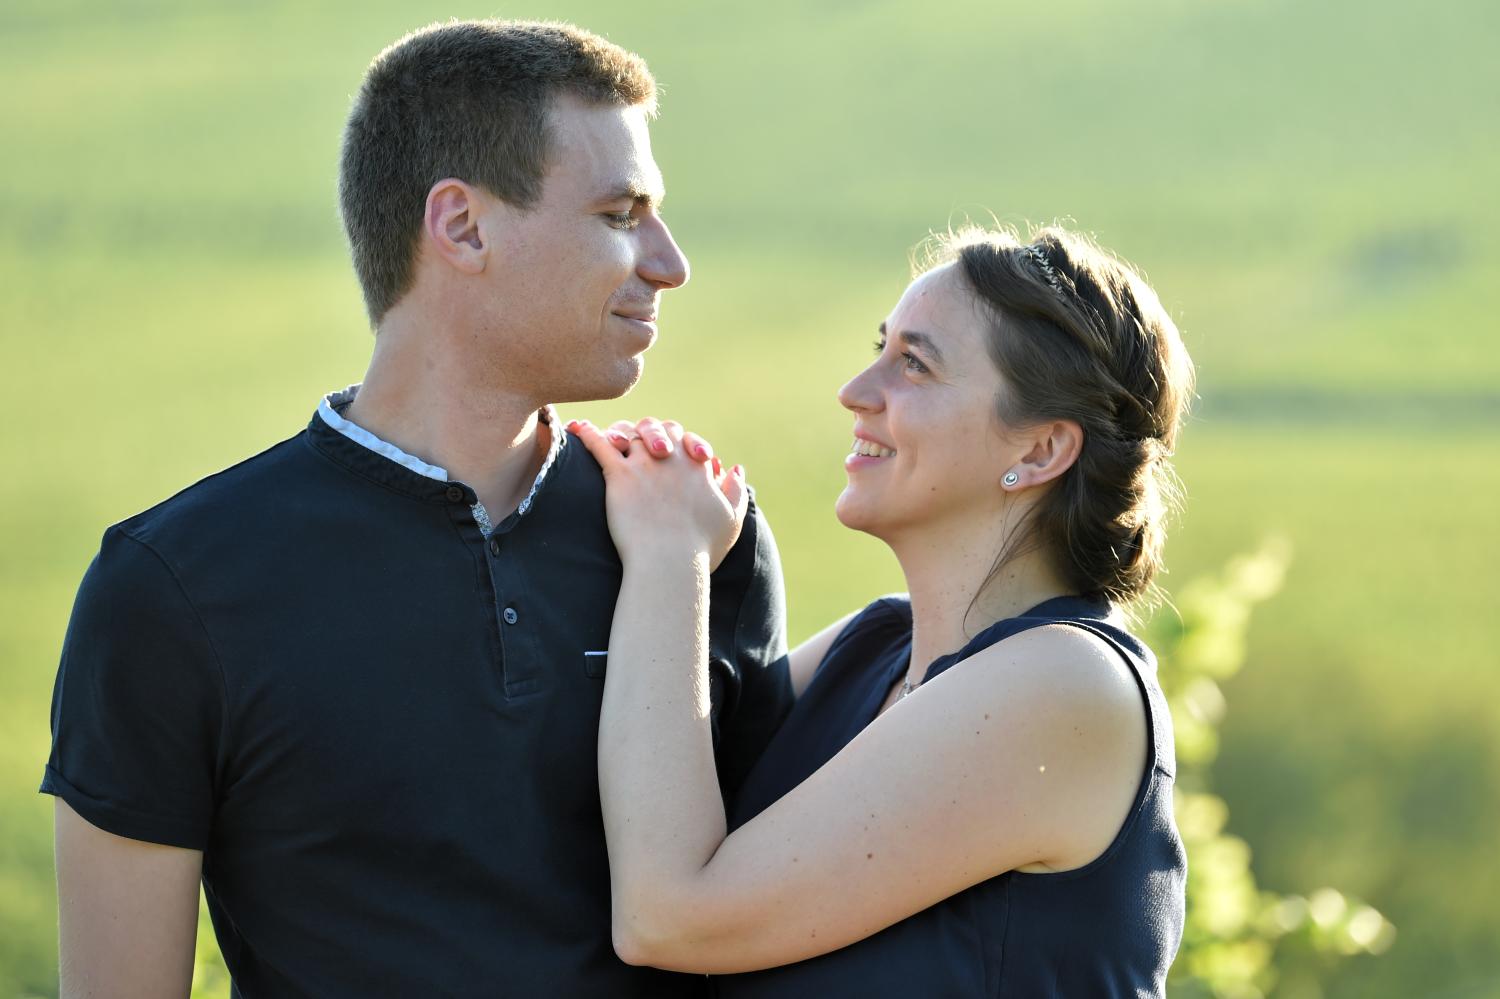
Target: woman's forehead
{"points": [[939, 303]]}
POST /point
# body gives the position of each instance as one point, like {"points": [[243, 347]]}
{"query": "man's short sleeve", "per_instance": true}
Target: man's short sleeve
{"points": [[749, 600], [138, 708]]}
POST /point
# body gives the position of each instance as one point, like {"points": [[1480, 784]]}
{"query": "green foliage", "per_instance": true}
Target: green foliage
{"points": [[1240, 942], [210, 975]]}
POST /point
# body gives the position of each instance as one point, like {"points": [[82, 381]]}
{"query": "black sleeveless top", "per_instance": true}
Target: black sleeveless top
{"points": [[1107, 929]]}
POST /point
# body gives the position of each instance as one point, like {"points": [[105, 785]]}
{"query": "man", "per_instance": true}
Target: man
{"points": [[353, 683]]}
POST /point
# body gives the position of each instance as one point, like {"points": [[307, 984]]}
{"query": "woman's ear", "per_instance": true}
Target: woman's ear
{"points": [[1055, 448], [451, 227]]}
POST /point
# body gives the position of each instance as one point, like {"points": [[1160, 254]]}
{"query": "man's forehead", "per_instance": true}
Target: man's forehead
{"points": [[608, 148]]}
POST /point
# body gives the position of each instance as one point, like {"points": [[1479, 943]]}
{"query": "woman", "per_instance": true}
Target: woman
{"points": [[973, 793]]}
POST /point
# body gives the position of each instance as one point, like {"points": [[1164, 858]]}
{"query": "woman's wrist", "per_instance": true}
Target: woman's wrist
{"points": [[675, 554]]}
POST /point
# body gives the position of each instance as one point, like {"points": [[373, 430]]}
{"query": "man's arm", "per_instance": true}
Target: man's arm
{"points": [[137, 718], [748, 631], [127, 913]]}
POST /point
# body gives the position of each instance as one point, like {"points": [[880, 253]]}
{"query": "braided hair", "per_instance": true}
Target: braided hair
{"points": [[1078, 335]]}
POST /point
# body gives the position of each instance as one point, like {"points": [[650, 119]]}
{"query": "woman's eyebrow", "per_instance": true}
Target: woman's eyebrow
{"points": [[922, 341]]}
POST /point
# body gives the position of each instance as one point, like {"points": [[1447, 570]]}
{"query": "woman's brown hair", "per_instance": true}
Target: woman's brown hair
{"points": [[1078, 335]]}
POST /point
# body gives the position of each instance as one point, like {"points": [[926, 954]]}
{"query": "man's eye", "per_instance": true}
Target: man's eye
{"points": [[622, 220]]}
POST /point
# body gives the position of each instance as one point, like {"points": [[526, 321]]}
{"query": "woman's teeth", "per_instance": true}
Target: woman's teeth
{"points": [[871, 450]]}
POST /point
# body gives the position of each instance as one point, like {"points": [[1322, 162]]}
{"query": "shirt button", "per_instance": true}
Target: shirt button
{"points": [[455, 493], [495, 546], [510, 615]]}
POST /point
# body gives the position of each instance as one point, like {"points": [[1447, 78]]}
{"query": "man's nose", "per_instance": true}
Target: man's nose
{"points": [[663, 263]]}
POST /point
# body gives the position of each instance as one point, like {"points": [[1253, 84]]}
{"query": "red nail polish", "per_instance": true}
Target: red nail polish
{"points": [[659, 446]]}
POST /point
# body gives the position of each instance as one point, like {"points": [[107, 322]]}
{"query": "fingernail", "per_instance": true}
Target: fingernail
{"points": [[659, 446], [701, 451], [618, 438]]}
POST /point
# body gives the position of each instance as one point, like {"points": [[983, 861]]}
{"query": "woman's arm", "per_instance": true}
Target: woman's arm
{"points": [[1028, 752], [804, 659]]}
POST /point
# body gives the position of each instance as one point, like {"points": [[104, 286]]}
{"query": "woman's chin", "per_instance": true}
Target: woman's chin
{"points": [[855, 515]]}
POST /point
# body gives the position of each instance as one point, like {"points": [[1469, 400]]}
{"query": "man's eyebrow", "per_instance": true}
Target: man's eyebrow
{"points": [[922, 341], [628, 191]]}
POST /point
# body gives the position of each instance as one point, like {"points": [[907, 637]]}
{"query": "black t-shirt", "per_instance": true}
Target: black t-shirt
{"points": [[379, 725]]}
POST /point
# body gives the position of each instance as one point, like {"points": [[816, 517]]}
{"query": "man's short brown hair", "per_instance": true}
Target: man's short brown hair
{"points": [[465, 99]]}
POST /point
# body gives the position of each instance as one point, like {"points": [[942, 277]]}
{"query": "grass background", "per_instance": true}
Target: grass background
{"points": [[1310, 187]]}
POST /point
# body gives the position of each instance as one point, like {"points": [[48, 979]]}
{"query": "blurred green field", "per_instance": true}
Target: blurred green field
{"points": [[1310, 188]]}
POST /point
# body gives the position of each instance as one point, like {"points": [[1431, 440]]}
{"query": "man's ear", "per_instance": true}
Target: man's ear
{"points": [[450, 225], [1055, 449]]}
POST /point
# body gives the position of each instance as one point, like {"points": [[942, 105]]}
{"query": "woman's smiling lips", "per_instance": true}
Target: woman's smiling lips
{"points": [[866, 452]]}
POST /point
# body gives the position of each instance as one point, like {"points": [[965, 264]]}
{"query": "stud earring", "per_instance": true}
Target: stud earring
{"points": [[1011, 478]]}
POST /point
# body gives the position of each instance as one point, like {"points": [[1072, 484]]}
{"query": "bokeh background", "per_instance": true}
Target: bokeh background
{"points": [[1310, 187]]}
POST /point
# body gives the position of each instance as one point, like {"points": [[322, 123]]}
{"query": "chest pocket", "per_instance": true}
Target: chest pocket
{"points": [[594, 663]]}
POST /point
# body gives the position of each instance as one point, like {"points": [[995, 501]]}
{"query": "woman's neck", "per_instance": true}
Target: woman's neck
{"points": [[953, 598]]}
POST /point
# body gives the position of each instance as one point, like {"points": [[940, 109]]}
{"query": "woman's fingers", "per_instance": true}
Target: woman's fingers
{"points": [[660, 439], [620, 434], [736, 491], [599, 445], [696, 447], [654, 436]]}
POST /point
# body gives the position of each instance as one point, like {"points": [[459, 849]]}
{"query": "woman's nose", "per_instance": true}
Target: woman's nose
{"points": [[860, 394]]}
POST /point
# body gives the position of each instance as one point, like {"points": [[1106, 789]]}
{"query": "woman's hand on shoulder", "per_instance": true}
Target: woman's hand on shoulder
{"points": [[667, 494]]}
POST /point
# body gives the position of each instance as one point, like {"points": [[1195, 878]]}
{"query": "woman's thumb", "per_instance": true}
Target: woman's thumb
{"points": [[737, 492]]}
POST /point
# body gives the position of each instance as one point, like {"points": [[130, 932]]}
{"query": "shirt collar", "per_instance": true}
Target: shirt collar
{"points": [[330, 415]]}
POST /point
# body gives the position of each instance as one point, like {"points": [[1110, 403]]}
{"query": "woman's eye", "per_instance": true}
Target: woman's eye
{"points": [[912, 364]]}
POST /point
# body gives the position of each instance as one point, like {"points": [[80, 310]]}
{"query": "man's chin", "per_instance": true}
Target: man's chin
{"points": [[616, 384]]}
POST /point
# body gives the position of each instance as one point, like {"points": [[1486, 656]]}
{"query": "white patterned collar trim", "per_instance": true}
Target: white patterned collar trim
{"points": [[548, 417], [328, 409]]}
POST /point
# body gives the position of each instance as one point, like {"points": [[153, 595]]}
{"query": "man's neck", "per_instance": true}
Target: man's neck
{"points": [[430, 407]]}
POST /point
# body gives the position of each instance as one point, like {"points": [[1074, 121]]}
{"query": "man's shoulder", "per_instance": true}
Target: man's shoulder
{"points": [[220, 503]]}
